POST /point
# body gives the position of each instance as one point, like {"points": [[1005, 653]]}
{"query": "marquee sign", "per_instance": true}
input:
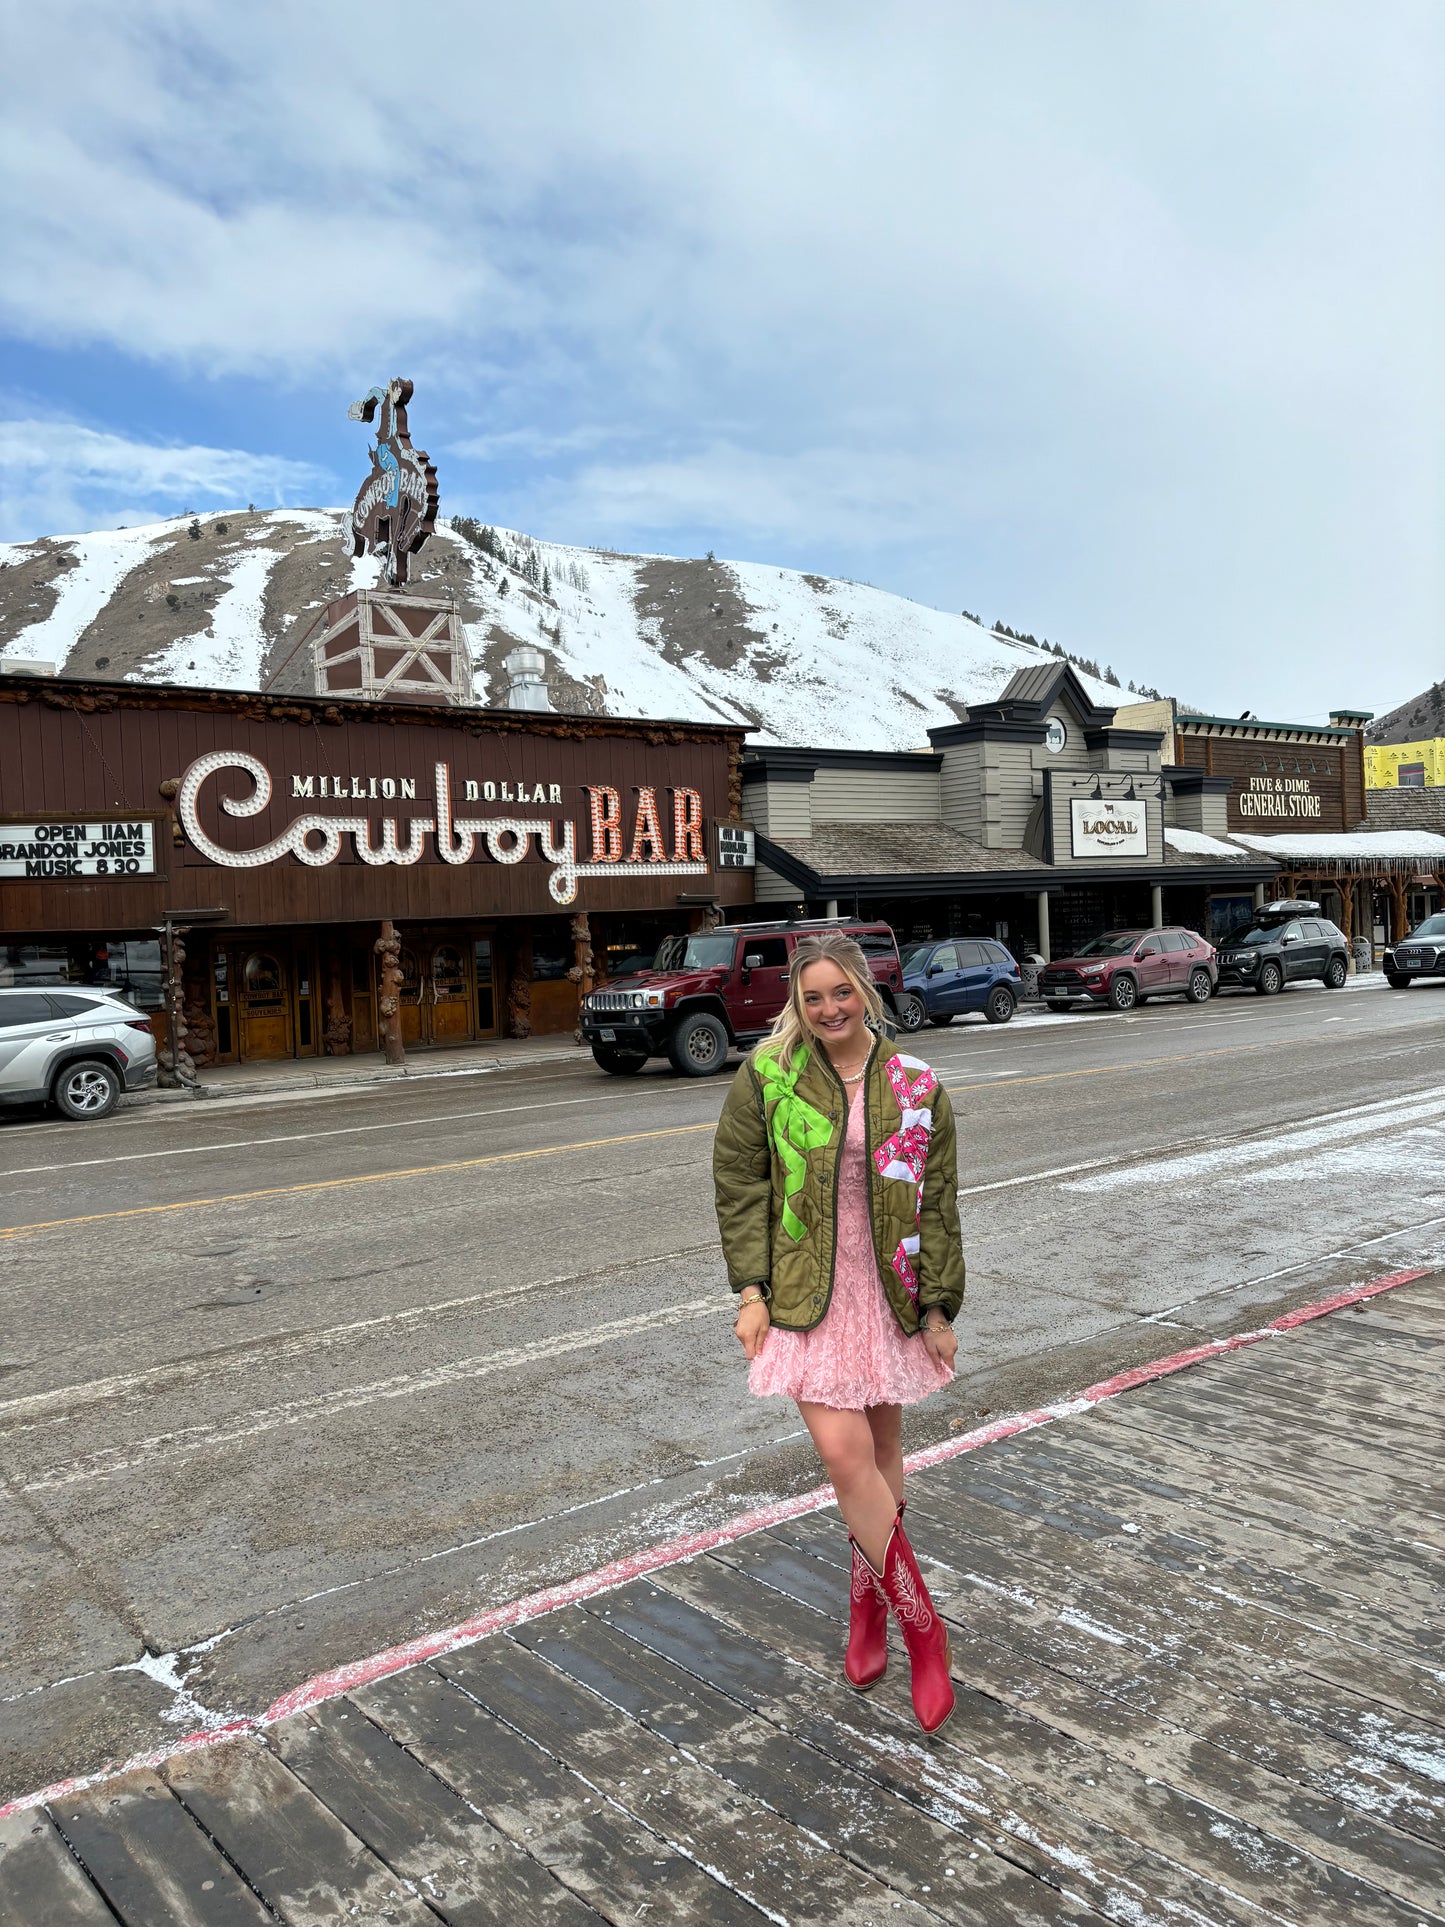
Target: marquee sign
{"points": [[1105, 828], [396, 508], [534, 821], [48, 850]]}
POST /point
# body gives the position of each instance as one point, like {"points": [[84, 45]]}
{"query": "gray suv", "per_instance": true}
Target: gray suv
{"points": [[77, 1049]]}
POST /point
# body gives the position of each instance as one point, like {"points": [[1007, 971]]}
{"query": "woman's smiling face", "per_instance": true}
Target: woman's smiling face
{"points": [[834, 1010]]}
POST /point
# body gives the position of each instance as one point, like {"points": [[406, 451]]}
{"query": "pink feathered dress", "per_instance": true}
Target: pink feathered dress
{"points": [[859, 1355]]}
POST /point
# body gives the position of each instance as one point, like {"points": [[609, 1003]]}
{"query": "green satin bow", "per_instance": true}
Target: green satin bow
{"points": [[796, 1128]]}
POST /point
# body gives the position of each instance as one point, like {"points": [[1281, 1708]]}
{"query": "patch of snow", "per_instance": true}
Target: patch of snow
{"points": [[1196, 843], [228, 654], [102, 563], [1365, 844]]}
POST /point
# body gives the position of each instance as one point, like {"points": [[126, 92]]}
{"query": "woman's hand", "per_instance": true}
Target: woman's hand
{"points": [[939, 1339], [752, 1327]]}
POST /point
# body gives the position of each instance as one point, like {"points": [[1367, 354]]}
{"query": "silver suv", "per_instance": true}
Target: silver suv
{"points": [[77, 1049]]}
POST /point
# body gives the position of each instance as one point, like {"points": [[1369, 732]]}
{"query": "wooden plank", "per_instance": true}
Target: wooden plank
{"points": [[1311, 1592], [465, 1870], [1353, 1490], [1222, 1868], [1275, 1427], [868, 1824], [776, 1866], [620, 1868], [299, 1857], [1172, 1670], [41, 1884], [1011, 1804], [149, 1858], [1117, 1492], [1155, 1470], [1393, 1412]]}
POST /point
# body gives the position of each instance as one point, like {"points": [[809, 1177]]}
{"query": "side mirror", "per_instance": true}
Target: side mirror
{"points": [[753, 961], [935, 970]]}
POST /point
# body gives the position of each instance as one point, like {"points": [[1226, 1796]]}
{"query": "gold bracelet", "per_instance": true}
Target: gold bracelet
{"points": [[756, 1299]]}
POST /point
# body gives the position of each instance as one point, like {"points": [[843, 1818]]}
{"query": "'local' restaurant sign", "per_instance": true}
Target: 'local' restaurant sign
{"points": [[77, 849], [315, 839], [1108, 829]]}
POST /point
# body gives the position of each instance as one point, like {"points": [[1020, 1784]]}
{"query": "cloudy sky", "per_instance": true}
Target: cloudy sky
{"points": [[1117, 320]]}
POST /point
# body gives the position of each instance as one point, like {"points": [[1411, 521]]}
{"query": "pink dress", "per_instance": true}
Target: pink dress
{"points": [[859, 1355]]}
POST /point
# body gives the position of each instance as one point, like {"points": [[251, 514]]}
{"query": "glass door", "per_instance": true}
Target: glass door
{"points": [[451, 996]]}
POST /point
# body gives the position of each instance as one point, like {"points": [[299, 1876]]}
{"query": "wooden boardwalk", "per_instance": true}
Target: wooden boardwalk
{"points": [[1201, 1675]]}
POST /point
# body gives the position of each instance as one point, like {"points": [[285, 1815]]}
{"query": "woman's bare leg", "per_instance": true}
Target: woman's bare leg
{"points": [[885, 1422], [844, 1441]]}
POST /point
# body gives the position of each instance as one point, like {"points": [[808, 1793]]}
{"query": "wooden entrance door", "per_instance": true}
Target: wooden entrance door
{"points": [[437, 992], [265, 1002], [451, 994]]}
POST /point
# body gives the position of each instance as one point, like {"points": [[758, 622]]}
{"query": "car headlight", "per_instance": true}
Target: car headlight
{"points": [[637, 1000]]}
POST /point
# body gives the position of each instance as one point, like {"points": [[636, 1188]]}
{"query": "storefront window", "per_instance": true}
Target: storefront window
{"points": [[551, 952], [131, 966]]}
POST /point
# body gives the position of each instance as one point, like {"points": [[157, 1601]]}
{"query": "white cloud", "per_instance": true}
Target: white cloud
{"points": [[62, 478], [1121, 321]]}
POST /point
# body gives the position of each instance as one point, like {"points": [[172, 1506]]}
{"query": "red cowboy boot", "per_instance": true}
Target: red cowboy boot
{"points": [[923, 1631], [866, 1660]]}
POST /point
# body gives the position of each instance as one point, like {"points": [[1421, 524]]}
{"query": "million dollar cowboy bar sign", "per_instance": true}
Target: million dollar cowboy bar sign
{"points": [[655, 831]]}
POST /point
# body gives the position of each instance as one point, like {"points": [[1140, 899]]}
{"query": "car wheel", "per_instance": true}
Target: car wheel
{"points": [[698, 1046], [1000, 1005], [1271, 980], [1336, 974], [87, 1090], [1123, 993], [909, 1011], [1200, 988], [1056, 1005], [942, 1020], [620, 1063], [1396, 981]]}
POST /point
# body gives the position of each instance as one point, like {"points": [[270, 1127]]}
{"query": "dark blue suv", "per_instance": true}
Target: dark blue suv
{"points": [[960, 974]]}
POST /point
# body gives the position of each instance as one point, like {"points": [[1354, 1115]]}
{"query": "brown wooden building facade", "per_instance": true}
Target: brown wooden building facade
{"points": [[519, 857]]}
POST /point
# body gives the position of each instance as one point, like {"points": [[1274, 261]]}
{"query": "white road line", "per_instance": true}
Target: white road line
{"points": [[440, 1120], [281, 1348], [246, 1425]]}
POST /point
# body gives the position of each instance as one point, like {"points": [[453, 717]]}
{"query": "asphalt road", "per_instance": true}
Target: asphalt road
{"points": [[286, 1381]]}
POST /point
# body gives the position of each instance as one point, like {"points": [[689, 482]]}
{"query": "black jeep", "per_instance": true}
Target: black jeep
{"points": [[1284, 943]]}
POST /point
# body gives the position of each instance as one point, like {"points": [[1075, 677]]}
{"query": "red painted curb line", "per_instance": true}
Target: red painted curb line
{"points": [[396, 1659]]}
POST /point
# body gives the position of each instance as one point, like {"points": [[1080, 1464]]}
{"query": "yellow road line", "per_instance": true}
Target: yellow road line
{"points": [[336, 1184]]}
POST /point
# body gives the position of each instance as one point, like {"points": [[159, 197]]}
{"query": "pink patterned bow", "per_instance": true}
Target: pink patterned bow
{"points": [[904, 1155]]}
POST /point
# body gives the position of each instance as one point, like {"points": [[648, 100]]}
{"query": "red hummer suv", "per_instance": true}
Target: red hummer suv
{"points": [[714, 989], [1125, 967]]}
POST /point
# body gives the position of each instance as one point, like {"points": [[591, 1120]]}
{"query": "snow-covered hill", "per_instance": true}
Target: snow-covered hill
{"points": [[214, 600]]}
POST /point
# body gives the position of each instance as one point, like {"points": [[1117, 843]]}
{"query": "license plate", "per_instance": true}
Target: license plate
{"points": [[608, 1036]]}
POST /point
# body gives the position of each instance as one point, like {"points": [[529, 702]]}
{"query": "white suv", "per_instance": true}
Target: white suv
{"points": [[77, 1049]]}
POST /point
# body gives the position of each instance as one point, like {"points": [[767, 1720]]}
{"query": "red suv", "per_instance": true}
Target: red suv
{"points": [[1125, 967], [714, 989]]}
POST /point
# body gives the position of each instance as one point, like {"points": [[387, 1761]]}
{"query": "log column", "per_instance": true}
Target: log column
{"points": [[388, 1001]]}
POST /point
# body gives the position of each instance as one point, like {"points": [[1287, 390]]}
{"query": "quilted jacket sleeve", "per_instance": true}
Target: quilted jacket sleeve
{"points": [[940, 1251], [742, 1173]]}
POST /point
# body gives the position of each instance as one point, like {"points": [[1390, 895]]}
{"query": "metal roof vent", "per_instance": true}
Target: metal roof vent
{"points": [[526, 679]]}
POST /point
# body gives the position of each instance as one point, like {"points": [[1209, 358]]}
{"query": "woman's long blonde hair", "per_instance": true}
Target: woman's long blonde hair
{"points": [[791, 1026]]}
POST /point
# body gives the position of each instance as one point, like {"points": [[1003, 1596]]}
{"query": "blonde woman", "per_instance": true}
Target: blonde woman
{"points": [[836, 1181]]}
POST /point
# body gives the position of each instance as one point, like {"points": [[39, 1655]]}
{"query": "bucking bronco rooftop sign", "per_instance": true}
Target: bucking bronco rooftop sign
{"points": [[396, 508], [536, 818]]}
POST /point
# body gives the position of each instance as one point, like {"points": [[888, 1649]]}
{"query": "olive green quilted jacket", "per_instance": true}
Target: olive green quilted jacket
{"points": [[775, 1174]]}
